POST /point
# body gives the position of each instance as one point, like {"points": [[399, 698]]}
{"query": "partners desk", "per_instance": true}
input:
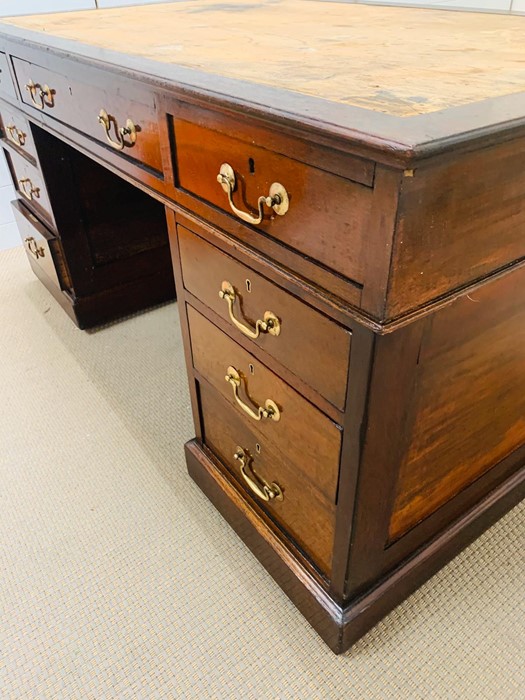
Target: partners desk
{"points": [[342, 189]]}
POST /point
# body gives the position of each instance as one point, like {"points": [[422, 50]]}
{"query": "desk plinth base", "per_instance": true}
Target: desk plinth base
{"points": [[114, 303], [341, 626]]}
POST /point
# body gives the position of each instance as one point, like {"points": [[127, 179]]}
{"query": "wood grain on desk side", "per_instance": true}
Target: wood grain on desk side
{"points": [[468, 408], [399, 61], [459, 220]]}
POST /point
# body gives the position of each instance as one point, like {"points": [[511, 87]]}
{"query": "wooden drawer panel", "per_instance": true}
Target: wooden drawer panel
{"points": [[310, 345], [17, 130], [304, 513], [43, 250], [328, 215], [78, 105], [6, 84], [303, 434], [30, 185]]}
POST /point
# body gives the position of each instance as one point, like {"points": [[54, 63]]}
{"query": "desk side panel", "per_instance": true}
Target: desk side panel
{"points": [[468, 410], [459, 220], [445, 426]]}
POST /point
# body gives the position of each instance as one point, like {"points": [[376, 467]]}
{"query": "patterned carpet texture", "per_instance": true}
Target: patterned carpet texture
{"points": [[119, 580]]}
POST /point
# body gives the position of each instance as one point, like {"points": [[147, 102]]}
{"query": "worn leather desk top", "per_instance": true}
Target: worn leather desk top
{"points": [[398, 61]]}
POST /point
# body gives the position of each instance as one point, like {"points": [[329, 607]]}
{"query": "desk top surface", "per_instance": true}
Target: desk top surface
{"points": [[396, 61]]}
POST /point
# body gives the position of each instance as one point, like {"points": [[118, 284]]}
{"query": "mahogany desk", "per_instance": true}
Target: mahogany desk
{"points": [[343, 189]]}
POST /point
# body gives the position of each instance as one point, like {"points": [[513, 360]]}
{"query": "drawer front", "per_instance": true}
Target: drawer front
{"points": [[17, 130], [327, 216], [281, 416], [313, 347], [6, 84], [30, 185], [304, 513], [79, 105], [43, 250]]}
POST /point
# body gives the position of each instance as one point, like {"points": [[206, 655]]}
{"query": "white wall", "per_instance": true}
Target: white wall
{"points": [[33, 7], [506, 6], [488, 5], [124, 3]]}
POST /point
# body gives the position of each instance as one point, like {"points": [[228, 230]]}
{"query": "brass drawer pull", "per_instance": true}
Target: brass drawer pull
{"points": [[270, 323], [270, 408], [34, 249], [28, 189], [261, 488], [277, 199], [41, 95], [126, 135], [15, 135]]}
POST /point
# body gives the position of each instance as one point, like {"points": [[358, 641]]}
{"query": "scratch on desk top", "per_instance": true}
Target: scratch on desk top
{"points": [[399, 61]]}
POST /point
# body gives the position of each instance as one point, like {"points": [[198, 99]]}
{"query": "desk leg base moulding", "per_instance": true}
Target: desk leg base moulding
{"points": [[120, 301], [340, 626]]}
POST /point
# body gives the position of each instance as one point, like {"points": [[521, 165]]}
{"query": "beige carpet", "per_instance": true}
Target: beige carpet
{"points": [[120, 581]]}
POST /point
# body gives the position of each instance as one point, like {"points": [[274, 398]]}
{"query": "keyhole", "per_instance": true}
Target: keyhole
{"points": [[70, 90], [248, 286], [251, 368], [251, 165], [258, 448]]}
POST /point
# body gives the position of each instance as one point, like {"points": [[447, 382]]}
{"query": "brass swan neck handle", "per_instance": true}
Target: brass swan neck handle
{"points": [[260, 487], [277, 199], [269, 323], [270, 408]]}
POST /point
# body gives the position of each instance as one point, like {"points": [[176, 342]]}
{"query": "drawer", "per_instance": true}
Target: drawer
{"points": [[43, 250], [313, 347], [327, 217], [29, 184], [304, 514], [299, 431], [17, 130], [7, 87], [97, 109]]}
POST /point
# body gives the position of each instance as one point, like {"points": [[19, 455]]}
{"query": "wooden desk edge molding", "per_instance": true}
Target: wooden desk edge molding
{"points": [[343, 194]]}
